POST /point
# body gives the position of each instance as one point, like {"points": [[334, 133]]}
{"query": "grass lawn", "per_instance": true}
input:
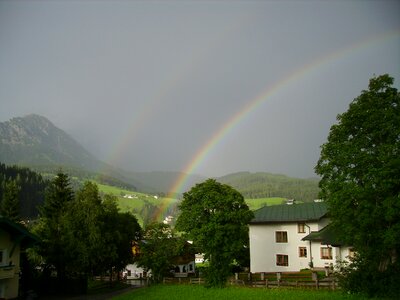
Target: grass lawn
{"points": [[100, 287], [187, 292], [260, 202]]}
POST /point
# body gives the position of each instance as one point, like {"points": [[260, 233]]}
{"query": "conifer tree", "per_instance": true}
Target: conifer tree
{"points": [[10, 204]]}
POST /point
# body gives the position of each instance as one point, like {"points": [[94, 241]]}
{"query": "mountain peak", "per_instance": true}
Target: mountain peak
{"points": [[35, 140]]}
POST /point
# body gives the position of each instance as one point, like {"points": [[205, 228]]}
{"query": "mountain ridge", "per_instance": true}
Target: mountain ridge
{"points": [[34, 141]]}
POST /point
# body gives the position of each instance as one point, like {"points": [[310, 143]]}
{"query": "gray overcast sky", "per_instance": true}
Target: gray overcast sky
{"points": [[145, 84]]}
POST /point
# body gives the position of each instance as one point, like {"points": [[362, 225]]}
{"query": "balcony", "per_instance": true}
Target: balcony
{"points": [[7, 271]]}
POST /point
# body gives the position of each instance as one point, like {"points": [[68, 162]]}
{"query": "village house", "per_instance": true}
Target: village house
{"points": [[181, 266], [14, 238], [292, 237]]}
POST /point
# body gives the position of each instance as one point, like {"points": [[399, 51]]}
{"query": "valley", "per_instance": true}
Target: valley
{"points": [[147, 207]]}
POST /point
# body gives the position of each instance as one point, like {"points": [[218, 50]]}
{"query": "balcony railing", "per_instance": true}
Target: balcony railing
{"points": [[7, 271]]}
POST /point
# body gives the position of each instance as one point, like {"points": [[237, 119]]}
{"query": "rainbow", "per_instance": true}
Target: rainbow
{"points": [[262, 97], [174, 80], [163, 209]]}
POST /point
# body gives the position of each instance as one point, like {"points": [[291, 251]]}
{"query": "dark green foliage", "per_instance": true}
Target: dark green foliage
{"points": [[261, 185], [84, 234], [158, 249], [362, 277], [58, 194], [30, 187], [51, 228], [360, 167], [215, 216], [98, 237], [9, 206]]}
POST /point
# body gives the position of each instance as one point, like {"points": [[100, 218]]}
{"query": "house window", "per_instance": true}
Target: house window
{"points": [[281, 236], [326, 253], [301, 228], [282, 260], [302, 252]]}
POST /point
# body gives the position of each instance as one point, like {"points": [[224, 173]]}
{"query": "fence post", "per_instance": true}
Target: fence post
{"points": [[314, 276], [266, 282]]}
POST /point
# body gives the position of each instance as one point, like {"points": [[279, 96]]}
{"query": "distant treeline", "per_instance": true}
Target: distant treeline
{"points": [[263, 185], [78, 176], [31, 186]]}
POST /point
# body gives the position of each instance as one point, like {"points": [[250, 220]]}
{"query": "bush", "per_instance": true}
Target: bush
{"points": [[360, 277]]}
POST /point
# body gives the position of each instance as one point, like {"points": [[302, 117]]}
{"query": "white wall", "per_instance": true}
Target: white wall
{"points": [[264, 248], [135, 272], [338, 254]]}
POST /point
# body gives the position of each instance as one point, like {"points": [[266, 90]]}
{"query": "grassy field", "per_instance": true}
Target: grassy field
{"points": [[137, 201], [260, 202], [187, 292]]}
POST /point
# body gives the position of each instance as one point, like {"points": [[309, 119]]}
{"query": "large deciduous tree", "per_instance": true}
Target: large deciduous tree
{"points": [[215, 216], [360, 170]]}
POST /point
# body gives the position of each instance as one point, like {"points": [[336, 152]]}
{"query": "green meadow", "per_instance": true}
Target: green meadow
{"points": [[137, 202], [187, 292], [260, 202]]}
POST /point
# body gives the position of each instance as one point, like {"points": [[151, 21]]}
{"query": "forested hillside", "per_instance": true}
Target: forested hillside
{"points": [[260, 185], [31, 186]]}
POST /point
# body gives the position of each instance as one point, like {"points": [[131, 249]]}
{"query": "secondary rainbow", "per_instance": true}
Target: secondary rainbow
{"points": [[173, 82], [262, 97]]}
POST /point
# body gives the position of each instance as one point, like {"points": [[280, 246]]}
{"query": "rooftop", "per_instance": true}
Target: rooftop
{"points": [[326, 235], [311, 211], [19, 232]]}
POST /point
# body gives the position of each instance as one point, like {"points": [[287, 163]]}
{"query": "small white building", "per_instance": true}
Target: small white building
{"points": [[132, 271], [288, 238]]}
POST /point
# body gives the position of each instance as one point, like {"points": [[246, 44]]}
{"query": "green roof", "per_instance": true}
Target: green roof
{"points": [[311, 211], [19, 232], [326, 236]]}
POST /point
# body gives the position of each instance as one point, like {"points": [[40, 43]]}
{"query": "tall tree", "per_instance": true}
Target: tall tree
{"points": [[97, 236], [57, 195], [360, 167], [215, 216], [50, 227], [10, 204], [119, 232], [83, 231]]}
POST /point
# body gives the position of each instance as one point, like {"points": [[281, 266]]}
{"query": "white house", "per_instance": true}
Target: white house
{"points": [[288, 238], [132, 271]]}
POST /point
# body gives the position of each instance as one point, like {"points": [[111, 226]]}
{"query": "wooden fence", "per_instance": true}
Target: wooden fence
{"points": [[269, 280]]}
